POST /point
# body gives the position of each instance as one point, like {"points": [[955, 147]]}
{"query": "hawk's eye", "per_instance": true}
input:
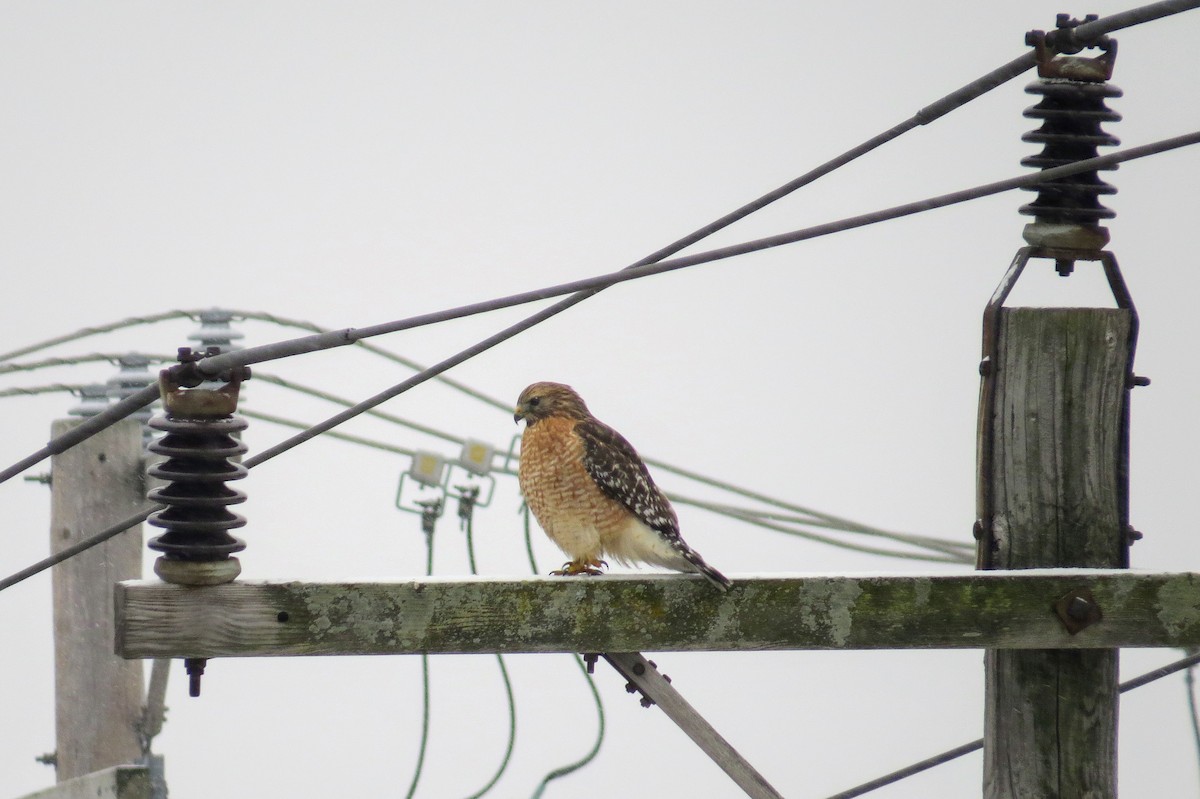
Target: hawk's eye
{"points": [[534, 402]]}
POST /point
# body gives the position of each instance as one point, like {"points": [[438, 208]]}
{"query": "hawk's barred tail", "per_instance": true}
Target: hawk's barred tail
{"points": [[720, 581], [716, 578]]}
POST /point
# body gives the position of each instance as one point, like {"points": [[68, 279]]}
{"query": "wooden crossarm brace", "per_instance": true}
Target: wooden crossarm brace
{"points": [[656, 689]]}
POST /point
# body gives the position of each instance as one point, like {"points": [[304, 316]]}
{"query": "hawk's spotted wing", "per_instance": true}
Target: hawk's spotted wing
{"points": [[616, 467]]}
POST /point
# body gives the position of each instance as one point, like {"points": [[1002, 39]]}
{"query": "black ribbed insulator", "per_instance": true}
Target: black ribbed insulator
{"points": [[197, 466], [1072, 113]]}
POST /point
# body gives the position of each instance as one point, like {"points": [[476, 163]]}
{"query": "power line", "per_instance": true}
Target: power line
{"points": [[267, 352], [416, 778], [325, 395], [377, 350], [752, 518], [590, 755], [582, 289], [966, 749], [75, 360], [92, 331], [466, 513], [951, 551]]}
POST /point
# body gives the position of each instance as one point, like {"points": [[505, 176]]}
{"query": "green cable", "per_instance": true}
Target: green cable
{"points": [[466, 513], [569, 768], [412, 788]]}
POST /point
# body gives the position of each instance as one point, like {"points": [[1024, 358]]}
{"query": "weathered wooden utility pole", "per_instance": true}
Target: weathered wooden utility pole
{"points": [[98, 695], [1053, 456]]}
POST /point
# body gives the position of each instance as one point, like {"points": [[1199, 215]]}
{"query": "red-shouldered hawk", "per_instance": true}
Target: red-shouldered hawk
{"points": [[591, 492]]}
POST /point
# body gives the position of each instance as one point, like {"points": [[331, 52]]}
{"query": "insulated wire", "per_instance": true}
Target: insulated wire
{"points": [[953, 552], [1081, 34], [325, 395], [752, 518], [416, 778], [836, 523], [1189, 679], [469, 528], [569, 768], [92, 331], [46, 363], [966, 749], [377, 350]]}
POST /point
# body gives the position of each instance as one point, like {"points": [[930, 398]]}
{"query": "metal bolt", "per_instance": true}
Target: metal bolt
{"points": [[1138, 381], [195, 670], [1078, 608], [48, 759], [985, 367]]}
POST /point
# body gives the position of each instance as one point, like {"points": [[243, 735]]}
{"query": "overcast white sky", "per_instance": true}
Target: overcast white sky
{"points": [[353, 163]]}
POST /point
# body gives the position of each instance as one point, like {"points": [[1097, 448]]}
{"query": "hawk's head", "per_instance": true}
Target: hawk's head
{"points": [[542, 400]]}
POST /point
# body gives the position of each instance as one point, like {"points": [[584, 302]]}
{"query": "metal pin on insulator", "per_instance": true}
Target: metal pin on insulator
{"points": [[1067, 211]]}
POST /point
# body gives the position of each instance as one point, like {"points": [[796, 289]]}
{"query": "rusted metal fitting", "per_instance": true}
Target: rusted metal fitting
{"points": [[1078, 610], [1054, 52], [186, 373]]}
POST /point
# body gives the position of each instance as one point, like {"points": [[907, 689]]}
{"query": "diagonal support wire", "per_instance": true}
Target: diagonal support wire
{"points": [[976, 745], [656, 689]]}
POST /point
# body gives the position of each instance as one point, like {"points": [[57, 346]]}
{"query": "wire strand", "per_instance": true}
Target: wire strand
{"points": [[973, 746], [1189, 679], [466, 512], [92, 331], [214, 365], [573, 766], [751, 518], [253, 355], [416, 778]]}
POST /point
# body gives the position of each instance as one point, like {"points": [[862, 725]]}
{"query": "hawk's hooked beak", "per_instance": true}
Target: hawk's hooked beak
{"points": [[519, 413]]}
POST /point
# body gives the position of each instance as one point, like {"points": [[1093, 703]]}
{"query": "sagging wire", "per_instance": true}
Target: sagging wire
{"points": [[325, 395], [75, 360], [429, 516], [949, 551], [943, 551], [573, 766], [974, 746], [1189, 679], [375, 349], [93, 331], [467, 498]]}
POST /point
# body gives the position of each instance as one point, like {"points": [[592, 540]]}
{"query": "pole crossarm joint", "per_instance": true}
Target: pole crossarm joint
{"points": [[628, 613]]}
